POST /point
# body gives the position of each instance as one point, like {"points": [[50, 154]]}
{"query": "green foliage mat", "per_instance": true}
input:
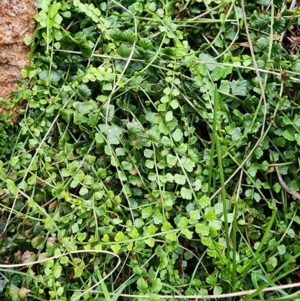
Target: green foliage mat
{"points": [[143, 163]]}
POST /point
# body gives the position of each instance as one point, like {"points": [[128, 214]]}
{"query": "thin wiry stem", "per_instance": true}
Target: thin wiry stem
{"points": [[210, 297]]}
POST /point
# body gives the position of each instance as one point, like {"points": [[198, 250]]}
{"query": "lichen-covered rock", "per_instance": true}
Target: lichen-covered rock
{"points": [[16, 20]]}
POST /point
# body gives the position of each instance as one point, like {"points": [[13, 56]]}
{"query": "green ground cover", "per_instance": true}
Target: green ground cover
{"points": [[144, 164]]}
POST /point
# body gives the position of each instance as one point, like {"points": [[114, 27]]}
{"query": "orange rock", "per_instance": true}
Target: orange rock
{"points": [[16, 20]]}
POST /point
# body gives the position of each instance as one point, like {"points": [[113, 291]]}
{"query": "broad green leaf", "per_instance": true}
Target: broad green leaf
{"points": [[151, 229], [128, 165], [239, 87], [172, 124], [60, 291], [107, 87], [177, 135], [182, 148], [127, 190], [166, 226], [150, 242], [149, 164], [113, 135], [219, 206], [204, 201], [145, 43], [169, 177], [217, 290], [279, 141], [83, 190], [184, 222], [281, 249], [186, 193], [171, 160], [256, 197], [169, 116], [194, 215], [23, 186], [174, 104], [64, 260], [206, 241], [271, 263], [166, 178], [148, 153], [86, 92], [85, 47], [44, 5], [51, 76], [212, 280], [258, 153], [236, 134], [168, 199], [252, 170], [165, 99], [139, 223], [207, 59], [153, 135], [276, 187], [175, 92], [172, 236], [81, 236], [156, 286], [120, 236], [197, 185], [262, 43], [287, 135], [296, 120], [147, 212], [14, 161], [134, 233], [224, 87], [120, 151], [88, 180], [167, 91], [279, 25], [33, 179], [163, 128], [116, 248], [129, 36], [291, 233], [217, 224], [167, 142], [210, 215], [187, 164], [38, 242], [187, 233], [49, 224], [220, 72], [287, 120], [11, 186], [75, 228], [180, 179], [142, 285], [158, 217], [13, 292]]}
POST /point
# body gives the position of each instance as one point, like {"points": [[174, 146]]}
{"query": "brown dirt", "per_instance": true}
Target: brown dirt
{"points": [[16, 20], [291, 38]]}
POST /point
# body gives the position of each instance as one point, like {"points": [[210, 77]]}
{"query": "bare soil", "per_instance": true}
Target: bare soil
{"points": [[16, 20]]}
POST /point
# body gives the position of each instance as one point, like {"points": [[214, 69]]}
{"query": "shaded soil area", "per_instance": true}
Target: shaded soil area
{"points": [[291, 38]]}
